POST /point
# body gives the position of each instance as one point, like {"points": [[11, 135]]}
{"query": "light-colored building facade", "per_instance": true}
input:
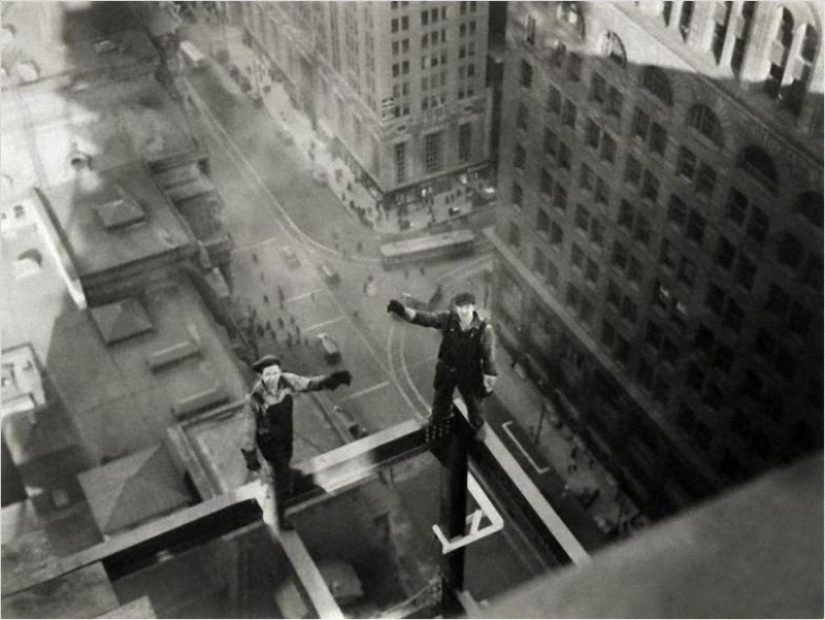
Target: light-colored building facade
{"points": [[661, 241], [400, 85]]}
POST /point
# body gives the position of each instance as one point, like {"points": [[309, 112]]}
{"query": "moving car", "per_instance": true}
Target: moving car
{"points": [[290, 257], [331, 276], [331, 351]]}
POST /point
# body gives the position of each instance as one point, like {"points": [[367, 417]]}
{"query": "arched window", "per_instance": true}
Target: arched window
{"points": [[758, 164], [779, 50], [811, 205], [703, 120], [655, 80], [613, 48]]}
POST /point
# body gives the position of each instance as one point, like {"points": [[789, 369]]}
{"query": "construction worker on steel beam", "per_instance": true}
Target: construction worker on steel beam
{"points": [[465, 358], [268, 424]]}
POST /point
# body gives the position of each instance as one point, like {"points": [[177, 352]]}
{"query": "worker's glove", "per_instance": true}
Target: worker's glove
{"points": [[396, 307], [251, 457], [339, 377], [489, 383]]}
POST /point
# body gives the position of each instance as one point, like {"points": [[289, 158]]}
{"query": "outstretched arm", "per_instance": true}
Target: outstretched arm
{"points": [[248, 428], [322, 382], [419, 317]]}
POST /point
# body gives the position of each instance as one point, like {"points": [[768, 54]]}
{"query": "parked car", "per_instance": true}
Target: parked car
{"points": [[331, 351], [290, 257], [331, 276]]}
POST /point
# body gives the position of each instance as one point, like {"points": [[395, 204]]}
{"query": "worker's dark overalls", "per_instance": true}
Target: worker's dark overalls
{"points": [[274, 439], [459, 366]]}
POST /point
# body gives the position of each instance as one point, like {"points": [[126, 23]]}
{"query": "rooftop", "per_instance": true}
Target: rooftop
{"points": [[95, 248]]}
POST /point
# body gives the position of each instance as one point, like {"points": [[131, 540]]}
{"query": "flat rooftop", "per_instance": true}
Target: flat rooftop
{"points": [[95, 248]]}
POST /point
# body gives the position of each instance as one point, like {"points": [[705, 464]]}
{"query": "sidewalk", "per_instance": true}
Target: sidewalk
{"points": [[327, 169]]}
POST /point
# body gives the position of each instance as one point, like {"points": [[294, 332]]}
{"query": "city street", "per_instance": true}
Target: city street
{"points": [[275, 210]]}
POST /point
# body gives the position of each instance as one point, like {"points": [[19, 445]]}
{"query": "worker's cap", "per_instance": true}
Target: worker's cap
{"points": [[464, 299], [264, 362]]}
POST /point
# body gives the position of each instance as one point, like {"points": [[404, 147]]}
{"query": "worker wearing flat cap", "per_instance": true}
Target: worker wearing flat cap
{"points": [[465, 358], [268, 422]]}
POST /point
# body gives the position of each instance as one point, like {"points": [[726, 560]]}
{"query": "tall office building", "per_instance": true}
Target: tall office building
{"points": [[660, 240], [400, 85]]}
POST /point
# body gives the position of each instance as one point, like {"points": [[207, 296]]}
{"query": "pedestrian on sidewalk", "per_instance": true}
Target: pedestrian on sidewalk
{"points": [[280, 323], [266, 298], [465, 358], [268, 426]]}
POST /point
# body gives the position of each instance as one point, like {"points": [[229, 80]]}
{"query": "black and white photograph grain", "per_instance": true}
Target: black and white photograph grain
{"points": [[434, 309]]}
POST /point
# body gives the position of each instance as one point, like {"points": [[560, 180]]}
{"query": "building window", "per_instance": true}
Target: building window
{"points": [[687, 272], [685, 19], [432, 152], [790, 251], [658, 139], [545, 183], [587, 179], [635, 272], [530, 31], [695, 229], [568, 116], [521, 116], [554, 100], [526, 78], [518, 195], [641, 122], [737, 207], [702, 119], [633, 171], [560, 198], [596, 233], [549, 143], [643, 231], [686, 164], [592, 133], [810, 206], [591, 273], [743, 35], [759, 165], [745, 272], [401, 163], [538, 261], [734, 316], [779, 54], [543, 222], [655, 81], [552, 274], [394, 24], [565, 159], [556, 237], [577, 257], [574, 67], [519, 158], [705, 180], [608, 152], [582, 218], [598, 88], [615, 102], [758, 225], [619, 256], [515, 235], [715, 298], [668, 254], [720, 28], [725, 253], [464, 141], [677, 211], [626, 215], [650, 187], [723, 359]]}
